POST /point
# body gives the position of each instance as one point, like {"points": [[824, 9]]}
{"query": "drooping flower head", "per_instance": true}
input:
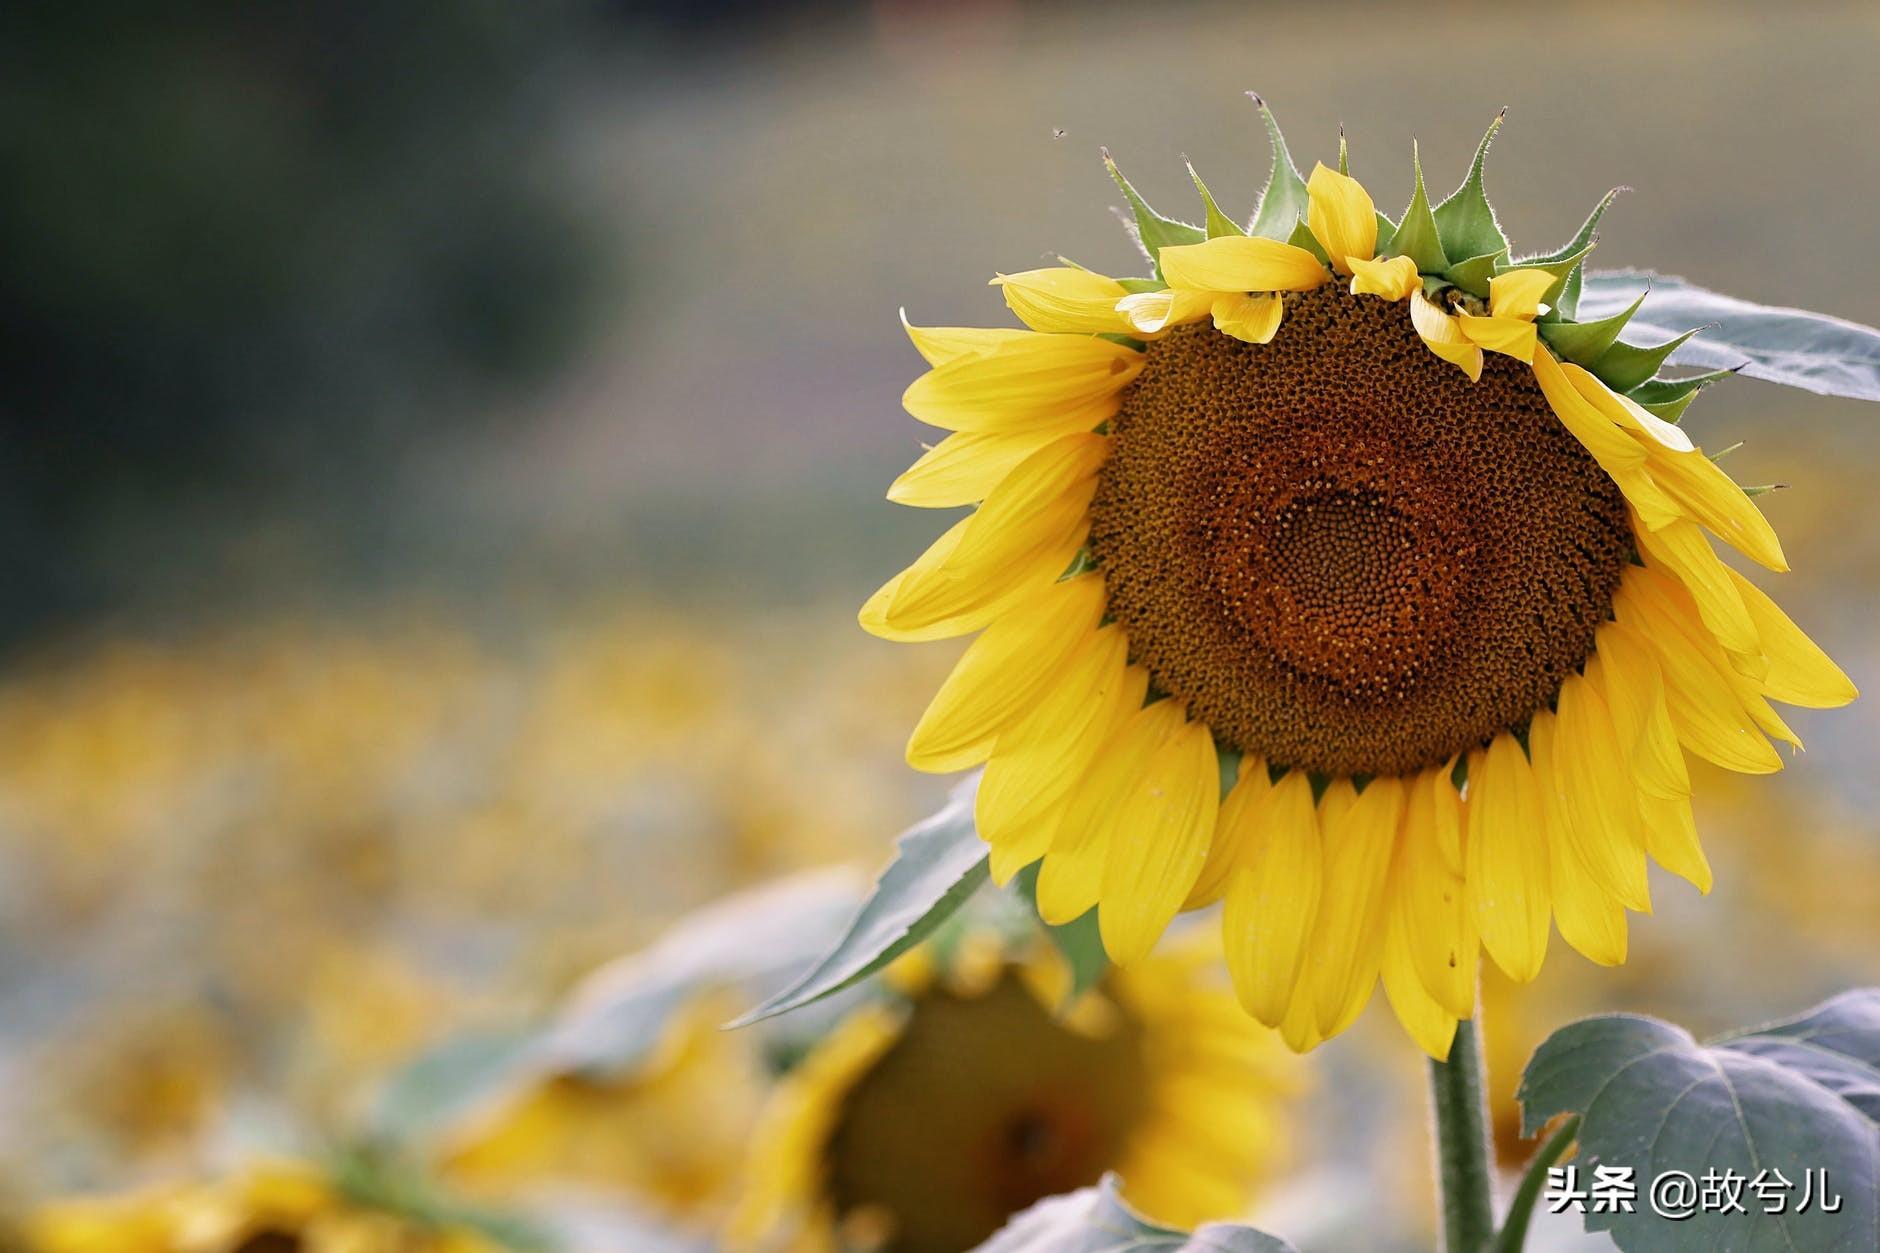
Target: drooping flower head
{"points": [[978, 1085], [1337, 572]]}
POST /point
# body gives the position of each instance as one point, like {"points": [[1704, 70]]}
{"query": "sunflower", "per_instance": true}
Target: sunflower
{"points": [[920, 1123], [1337, 573], [268, 1207]]}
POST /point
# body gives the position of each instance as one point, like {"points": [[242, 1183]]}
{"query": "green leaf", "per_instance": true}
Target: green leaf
{"points": [[1472, 275], [1797, 1096], [1153, 231], [1566, 301], [1095, 1220], [1416, 237], [1077, 940], [1302, 237], [937, 865], [1218, 223], [1813, 351], [1624, 366], [1586, 342], [1466, 221], [1283, 202]]}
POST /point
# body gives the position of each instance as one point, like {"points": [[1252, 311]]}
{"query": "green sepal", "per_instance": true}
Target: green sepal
{"points": [[1302, 237], [1671, 411], [1763, 489], [1416, 237], [1465, 221], [1218, 223], [1153, 231], [1661, 391], [1472, 275], [1624, 366], [1283, 203], [1386, 235], [1566, 302], [1344, 157], [1137, 285], [1586, 342], [1560, 269]]}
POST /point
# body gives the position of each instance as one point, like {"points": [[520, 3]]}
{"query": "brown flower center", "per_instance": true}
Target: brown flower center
{"points": [[983, 1106], [1342, 554]]}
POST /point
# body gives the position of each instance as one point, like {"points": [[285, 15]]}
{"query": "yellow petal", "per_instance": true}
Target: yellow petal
{"points": [[1447, 802], [1393, 279], [1507, 859], [1597, 433], [1589, 918], [1442, 335], [1241, 263], [1252, 318], [1163, 825], [1671, 838], [1341, 965], [966, 465], [1036, 763], [1341, 216], [1705, 709], [874, 614], [1597, 795], [1624, 671], [1001, 674], [1800, 673], [1232, 833], [1708, 495], [1273, 898], [1510, 336], [1031, 525], [1427, 896], [941, 344], [1626, 412], [1065, 299], [1034, 381], [1071, 880], [1517, 293], [1152, 312], [1682, 552], [1431, 1025]]}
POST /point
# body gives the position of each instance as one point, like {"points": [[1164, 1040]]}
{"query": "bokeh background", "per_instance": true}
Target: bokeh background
{"points": [[444, 447]]}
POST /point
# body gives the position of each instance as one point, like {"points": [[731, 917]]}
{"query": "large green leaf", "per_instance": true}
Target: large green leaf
{"points": [[1095, 1220], [937, 865], [1799, 1097], [1812, 351]]}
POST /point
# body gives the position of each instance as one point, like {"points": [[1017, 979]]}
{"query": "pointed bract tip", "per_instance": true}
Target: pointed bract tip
{"points": [[1257, 99]]}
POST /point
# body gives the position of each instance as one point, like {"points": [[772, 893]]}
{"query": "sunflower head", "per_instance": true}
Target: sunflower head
{"points": [[1335, 569], [922, 1122]]}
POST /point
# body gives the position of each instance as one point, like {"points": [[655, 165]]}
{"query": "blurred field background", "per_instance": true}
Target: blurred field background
{"points": [[444, 449]]}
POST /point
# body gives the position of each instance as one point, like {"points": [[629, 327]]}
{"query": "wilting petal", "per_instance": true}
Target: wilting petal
{"points": [[1252, 318], [1442, 335], [1152, 312], [1509, 336], [1393, 279], [1517, 293], [1341, 216]]}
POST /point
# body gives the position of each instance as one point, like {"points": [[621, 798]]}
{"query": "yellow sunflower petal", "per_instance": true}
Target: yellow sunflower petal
{"points": [[1273, 898], [874, 613], [1031, 525], [1341, 216], [1036, 762], [1708, 495], [1036, 380], [1509, 336], [1517, 293], [1152, 312], [966, 465], [1393, 278], [1241, 263], [1341, 965], [1507, 859], [1588, 916], [1442, 335], [1427, 897], [1626, 412], [1623, 670], [1597, 794], [998, 678], [1597, 433], [1448, 806], [1705, 710], [1428, 1022], [1800, 673], [1681, 551], [1253, 318], [1163, 826], [941, 344], [1070, 882], [1232, 832], [1065, 299]]}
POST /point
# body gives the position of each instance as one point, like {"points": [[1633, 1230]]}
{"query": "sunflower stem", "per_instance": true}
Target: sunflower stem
{"points": [[1459, 1098]]}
